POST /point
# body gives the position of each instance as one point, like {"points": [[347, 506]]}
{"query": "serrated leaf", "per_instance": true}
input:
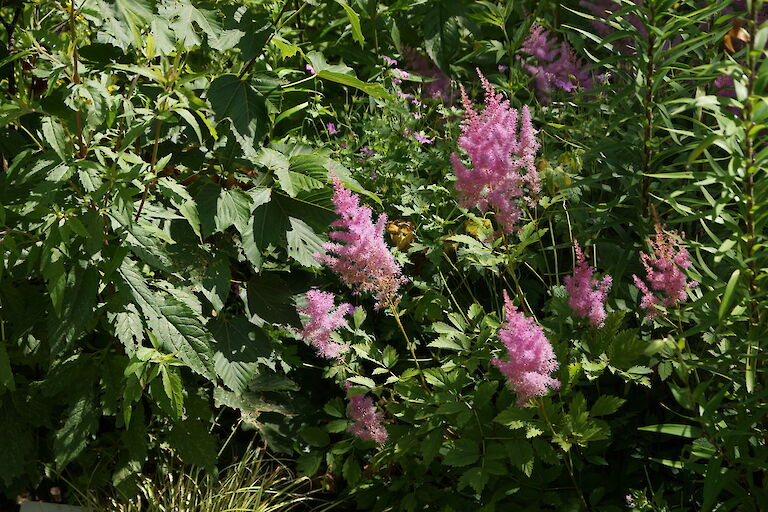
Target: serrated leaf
{"points": [[173, 390], [462, 452], [303, 243], [238, 344], [236, 100], [177, 327], [79, 426]]}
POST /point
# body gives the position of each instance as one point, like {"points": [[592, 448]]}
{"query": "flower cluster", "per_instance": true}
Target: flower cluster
{"points": [[665, 272], [555, 67], [322, 323], [587, 294], [358, 252], [531, 358], [502, 156], [367, 419]]}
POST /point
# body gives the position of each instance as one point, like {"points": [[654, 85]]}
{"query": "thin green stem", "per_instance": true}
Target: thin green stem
{"points": [[393, 308]]}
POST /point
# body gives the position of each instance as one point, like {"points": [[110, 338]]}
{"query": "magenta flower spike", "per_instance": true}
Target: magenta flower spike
{"points": [[367, 420], [666, 283], [358, 252], [531, 358], [587, 293], [323, 322], [503, 169]]}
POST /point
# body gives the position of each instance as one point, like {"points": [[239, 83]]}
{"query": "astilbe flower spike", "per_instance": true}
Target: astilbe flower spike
{"points": [[587, 294], [531, 358], [358, 252], [555, 66], [323, 322], [367, 419], [503, 168], [667, 283]]}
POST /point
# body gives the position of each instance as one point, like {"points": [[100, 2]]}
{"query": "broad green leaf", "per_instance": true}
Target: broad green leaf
{"points": [[269, 300], [183, 18], [80, 424], [249, 404], [303, 243], [238, 345], [462, 452], [234, 99], [6, 374], [191, 439], [177, 327]]}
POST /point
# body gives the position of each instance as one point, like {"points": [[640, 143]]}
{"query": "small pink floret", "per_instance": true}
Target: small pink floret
{"points": [[587, 293]]}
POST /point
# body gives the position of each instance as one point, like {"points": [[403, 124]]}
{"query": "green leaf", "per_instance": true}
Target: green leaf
{"points": [[248, 403], [192, 441], [173, 390], [238, 345], [343, 75], [303, 243], [730, 288], [177, 327], [674, 429], [236, 100], [6, 374], [315, 436], [79, 426], [183, 17], [354, 21], [462, 452], [351, 470], [605, 405], [309, 463], [269, 300]]}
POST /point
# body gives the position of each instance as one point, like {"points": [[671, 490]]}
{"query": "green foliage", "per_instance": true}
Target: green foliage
{"points": [[165, 188]]}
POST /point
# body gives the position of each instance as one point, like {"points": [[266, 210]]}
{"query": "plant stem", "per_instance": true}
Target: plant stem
{"points": [[393, 308], [76, 79], [568, 461]]}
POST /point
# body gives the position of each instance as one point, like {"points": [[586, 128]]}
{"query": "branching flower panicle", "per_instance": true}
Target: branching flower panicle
{"points": [[666, 283], [367, 420], [531, 358], [323, 322], [587, 293], [358, 252], [503, 169]]}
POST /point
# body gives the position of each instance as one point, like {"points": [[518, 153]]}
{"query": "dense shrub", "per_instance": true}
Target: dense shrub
{"points": [[447, 255]]}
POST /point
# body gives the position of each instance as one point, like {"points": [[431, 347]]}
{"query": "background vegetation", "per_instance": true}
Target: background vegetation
{"points": [[166, 182]]}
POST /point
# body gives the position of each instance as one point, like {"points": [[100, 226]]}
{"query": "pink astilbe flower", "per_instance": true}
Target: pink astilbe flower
{"points": [[367, 419], [503, 169], [667, 283], [358, 252], [587, 294], [555, 66], [323, 322], [531, 358]]}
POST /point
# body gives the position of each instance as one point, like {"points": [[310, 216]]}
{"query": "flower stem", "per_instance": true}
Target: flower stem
{"points": [[393, 308]]}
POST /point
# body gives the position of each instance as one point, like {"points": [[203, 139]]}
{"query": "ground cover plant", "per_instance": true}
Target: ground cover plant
{"points": [[435, 255]]}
